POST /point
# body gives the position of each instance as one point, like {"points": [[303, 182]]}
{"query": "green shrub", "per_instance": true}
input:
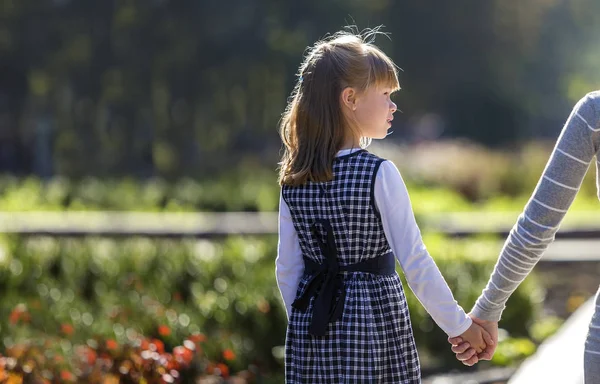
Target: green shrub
{"points": [[475, 172], [441, 176], [236, 191], [512, 350], [113, 289], [161, 289]]}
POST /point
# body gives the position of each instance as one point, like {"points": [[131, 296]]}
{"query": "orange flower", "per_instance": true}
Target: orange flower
{"points": [[19, 313], [110, 379], [111, 344], [159, 345], [164, 330], [67, 329], [184, 354], [14, 378], [228, 354], [173, 364], [197, 338], [210, 368], [66, 376], [145, 345], [14, 316], [90, 356], [224, 370]]}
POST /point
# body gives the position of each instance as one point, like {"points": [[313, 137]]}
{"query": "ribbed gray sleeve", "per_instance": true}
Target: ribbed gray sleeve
{"points": [[535, 228]]}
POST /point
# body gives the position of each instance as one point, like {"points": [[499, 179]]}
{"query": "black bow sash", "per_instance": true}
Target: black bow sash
{"points": [[327, 277]]}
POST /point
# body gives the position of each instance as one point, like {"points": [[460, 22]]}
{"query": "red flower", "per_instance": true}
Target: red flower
{"points": [[87, 355], [184, 354], [67, 329], [224, 370], [19, 313], [228, 354], [66, 376], [159, 345], [145, 345], [164, 330], [111, 344], [15, 315], [172, 364], [197, 338]]}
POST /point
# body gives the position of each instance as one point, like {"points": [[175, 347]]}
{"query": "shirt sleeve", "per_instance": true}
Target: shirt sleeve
{"points": [[403, 234], [537, 225], [289, 265]]}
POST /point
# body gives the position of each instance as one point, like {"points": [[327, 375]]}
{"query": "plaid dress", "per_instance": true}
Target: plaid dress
{"points": [[368, 338]]}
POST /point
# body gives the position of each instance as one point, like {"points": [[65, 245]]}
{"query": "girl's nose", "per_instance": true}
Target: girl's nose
{"points": [[393, 106]]}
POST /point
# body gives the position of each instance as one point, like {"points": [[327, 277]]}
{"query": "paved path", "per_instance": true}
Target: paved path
{"points": [[560, 358], [573, 250]]}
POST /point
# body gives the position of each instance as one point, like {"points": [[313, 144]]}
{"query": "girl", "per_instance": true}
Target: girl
{"points": [[344, 218]]}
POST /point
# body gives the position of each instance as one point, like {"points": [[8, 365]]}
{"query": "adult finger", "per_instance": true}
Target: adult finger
{"points": [[487, 337], [484, 356]]}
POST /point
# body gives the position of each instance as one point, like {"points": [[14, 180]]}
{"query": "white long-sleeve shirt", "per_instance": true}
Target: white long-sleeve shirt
{"points": [[403, 234]]}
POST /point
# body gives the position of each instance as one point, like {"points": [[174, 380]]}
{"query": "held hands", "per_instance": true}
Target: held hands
{"points": [[469, 349], [477, 337]]}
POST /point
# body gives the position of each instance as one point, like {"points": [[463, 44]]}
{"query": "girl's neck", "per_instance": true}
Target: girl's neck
{"points": [[350, 144]]}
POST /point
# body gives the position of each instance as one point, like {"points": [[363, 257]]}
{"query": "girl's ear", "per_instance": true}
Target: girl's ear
{"points": [[349, 97]]}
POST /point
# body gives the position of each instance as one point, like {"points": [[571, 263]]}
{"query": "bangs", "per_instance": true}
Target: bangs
{"points": [[382, 71]]}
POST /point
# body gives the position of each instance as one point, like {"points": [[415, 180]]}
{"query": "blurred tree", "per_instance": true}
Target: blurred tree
{"points": [[174, 88]]}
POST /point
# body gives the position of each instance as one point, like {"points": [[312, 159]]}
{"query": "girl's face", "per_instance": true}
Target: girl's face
{"points": [[373, 112]]}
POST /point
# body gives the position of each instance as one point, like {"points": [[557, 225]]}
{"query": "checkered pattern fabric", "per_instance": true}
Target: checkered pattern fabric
{"points": [[373, 341]]}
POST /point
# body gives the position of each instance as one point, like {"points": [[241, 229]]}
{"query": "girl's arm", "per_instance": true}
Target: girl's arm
{"points": [[404, 237], [535, 228], [289, 265]]}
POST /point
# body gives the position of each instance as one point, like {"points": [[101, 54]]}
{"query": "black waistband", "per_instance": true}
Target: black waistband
{"points": [[327, 276]]}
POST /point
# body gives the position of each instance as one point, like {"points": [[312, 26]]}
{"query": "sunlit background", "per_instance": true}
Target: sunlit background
{"points": [[139, 150]]}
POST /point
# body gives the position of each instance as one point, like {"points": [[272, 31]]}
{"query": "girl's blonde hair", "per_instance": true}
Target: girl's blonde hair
{"points": [[313, 127]]}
